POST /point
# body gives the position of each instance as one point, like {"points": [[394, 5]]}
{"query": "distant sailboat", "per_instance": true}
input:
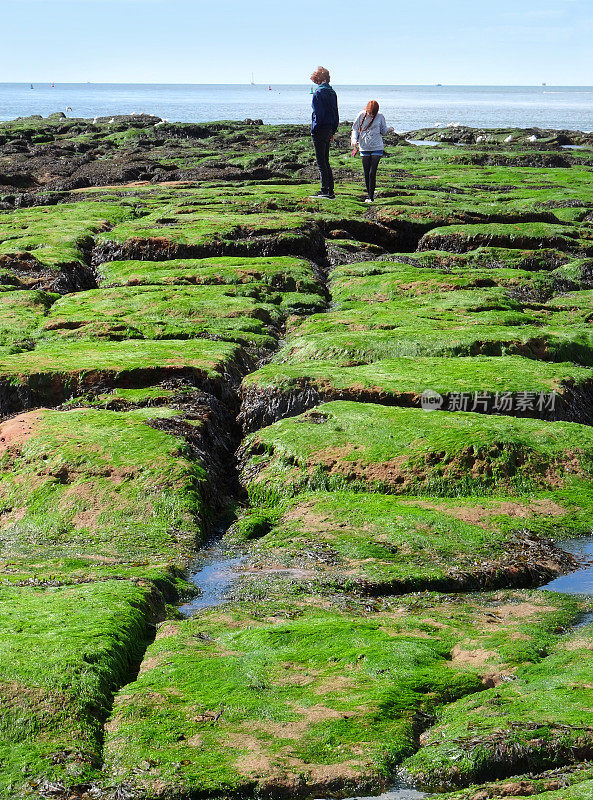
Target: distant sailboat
{"points": [[252, 80], [32, 87]]}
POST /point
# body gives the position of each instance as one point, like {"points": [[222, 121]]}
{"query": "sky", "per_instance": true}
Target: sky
{"points": [[509, 42]]}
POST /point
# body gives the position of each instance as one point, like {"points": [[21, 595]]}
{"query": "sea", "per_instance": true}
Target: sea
{"points": [[405, 107]]}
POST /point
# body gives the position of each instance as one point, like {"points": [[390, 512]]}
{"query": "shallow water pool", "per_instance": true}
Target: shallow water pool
{"points": [[423, 142], [214, 576], [581, 581]]}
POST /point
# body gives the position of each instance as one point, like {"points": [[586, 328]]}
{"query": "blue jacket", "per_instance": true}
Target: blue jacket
{"points": [[325, 109]]}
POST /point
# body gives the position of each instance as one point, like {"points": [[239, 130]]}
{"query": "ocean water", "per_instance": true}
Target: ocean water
{"points": [[406, 107]]}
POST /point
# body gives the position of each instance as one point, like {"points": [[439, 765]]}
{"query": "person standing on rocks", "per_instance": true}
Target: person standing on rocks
{"points": [[324, 124], [367, 134]]}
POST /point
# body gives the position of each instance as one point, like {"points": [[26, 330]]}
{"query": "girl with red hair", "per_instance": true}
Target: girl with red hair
{"points": [[367, 134]]}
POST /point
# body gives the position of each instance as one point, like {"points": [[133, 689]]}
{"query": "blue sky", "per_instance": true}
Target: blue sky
{"points": [[223, 41]]}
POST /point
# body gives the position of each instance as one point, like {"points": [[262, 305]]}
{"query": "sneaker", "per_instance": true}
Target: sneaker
{"points": [[322, 196]]}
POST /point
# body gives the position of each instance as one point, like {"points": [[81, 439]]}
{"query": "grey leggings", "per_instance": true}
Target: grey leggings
{"points": [[369, 165]]}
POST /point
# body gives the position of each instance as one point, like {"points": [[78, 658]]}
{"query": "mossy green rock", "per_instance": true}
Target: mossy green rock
{"points": [[541, 717], [90, 493], [525, 235], [301, 698], [508, 385], [164, 313], [64, 651], [281, 273], [145, 269], [22, 313], [345, 444], [378, 543], [54, 373], [56, 235]]}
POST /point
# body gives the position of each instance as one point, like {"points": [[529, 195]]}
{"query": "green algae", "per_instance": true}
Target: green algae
{"points": [[541, 718], [454, 313], [53, 372], [214, 218], [524, 235], [490, 300], [575, 782], [21, 315], [90, 492], [281, 273], [301, 697], [480, 306], [375, 281], [380, 543], [398, 450], [573, 301], [164, 313], [126, 399], [64, 652], [541, 260], [407, 378], [57, 235], [354, 337]]}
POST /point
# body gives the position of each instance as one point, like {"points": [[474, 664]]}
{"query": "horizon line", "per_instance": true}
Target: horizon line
{"points": [[269, 83]]}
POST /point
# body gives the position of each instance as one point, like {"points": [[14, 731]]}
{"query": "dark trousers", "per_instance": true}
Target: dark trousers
{"points": [[369, 165], [321, 141]]}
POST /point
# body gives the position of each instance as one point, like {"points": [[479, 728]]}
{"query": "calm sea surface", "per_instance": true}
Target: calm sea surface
{"points": [[406, 107]]}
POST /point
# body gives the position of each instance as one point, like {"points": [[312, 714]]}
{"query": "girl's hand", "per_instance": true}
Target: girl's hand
{"points": [[354, 149], [390, 130]]}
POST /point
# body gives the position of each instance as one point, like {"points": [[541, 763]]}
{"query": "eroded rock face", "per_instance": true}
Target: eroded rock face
{"points": [[387, 412]]}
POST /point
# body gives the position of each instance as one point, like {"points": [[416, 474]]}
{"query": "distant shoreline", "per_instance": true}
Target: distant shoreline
{"points": [[459, 135], [407, 107], [343, 85]]}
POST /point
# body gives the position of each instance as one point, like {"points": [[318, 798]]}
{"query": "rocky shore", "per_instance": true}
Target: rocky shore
{"points": [[380, 414]]}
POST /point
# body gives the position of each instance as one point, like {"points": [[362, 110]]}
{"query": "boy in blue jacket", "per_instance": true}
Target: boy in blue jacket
{"points": [[324, 124]]}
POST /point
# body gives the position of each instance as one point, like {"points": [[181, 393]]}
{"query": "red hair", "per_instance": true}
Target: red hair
{"points": [[321, 75], [371, 110]]}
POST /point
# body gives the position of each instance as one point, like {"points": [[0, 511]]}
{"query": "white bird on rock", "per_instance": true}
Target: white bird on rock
{"points": [[509, 138]]}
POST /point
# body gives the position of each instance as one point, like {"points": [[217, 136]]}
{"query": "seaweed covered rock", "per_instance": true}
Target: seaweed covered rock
{"points": [[380, 567], [289, 697], [405, 451]]}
